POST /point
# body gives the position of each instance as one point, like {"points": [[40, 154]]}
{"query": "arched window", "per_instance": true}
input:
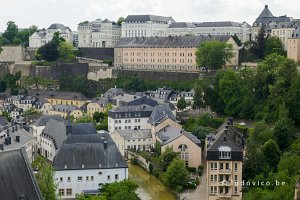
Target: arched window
{"points": [[182, 147]]}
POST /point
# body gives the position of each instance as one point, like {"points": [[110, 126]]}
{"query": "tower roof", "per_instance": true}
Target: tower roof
{"points": [[266, 12]]}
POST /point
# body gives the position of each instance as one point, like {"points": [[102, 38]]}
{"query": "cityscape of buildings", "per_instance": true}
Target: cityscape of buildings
{"points": [[133, 124]]}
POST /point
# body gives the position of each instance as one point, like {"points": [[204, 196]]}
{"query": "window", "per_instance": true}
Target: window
{"points": [[211, 189], [235, 178], [108, 177], [69, 179], [235, 166], [235, 190], [227, 166], [69, 191], [221, 166], [87, 178], [116, 176], [211, 178], [224, 152], [61, 179], [92, 178], [61, 192], [79, 178]]}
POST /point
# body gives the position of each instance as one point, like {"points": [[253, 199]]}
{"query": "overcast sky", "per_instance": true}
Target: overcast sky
{"points": [[70, 12]]}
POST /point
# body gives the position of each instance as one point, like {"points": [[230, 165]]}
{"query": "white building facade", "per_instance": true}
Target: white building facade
{"points": [[146, 26], [98, 33]]}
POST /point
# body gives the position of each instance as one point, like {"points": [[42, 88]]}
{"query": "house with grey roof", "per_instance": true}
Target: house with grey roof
{"points": [[41, 37], [224, 162], [187, 145], [146, 26], [15, 136], [132, 140], [17, 177], [66, 110], [129, 117], [83, 164]]}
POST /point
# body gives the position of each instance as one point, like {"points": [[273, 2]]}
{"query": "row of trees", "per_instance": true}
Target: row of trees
{"points": [[269, 92], [15, 36]]}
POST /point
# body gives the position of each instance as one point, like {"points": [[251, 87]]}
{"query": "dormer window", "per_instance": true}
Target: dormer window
{"points": [[224, 152]]}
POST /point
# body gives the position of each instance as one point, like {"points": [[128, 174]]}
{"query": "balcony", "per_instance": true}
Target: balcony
{"points": [[225, 171], [225, 183], [225, 195]]}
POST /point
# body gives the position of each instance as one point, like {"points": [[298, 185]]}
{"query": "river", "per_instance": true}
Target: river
{"points": [[150, 188]]}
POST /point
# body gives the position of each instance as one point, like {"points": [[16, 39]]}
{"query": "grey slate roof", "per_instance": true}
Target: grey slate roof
{"points": [[3, 120], [296, 33], [16, 177], [83, 128], [45, 118], [137, 108], [91, 155], [113, 92], [161, 113], [266, 12], [182, 25], [57, 26], [135, 134], [169, 133], [170, 41], [55, 131], [217, 24], [145, 18]]}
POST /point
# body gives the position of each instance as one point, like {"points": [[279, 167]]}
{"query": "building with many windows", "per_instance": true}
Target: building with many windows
{"points": [[165, 53], [224, 160], [129, 117], [86, 162], [98, 33], [145, 26]]}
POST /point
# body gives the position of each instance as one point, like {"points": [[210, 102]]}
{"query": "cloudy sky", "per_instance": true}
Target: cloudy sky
{"points": [[70, 12]]}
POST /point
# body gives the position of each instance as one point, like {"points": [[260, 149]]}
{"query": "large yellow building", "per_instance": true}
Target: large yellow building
{"points": [[293, 49], [66, 110], [97, 105], [165, 53]]}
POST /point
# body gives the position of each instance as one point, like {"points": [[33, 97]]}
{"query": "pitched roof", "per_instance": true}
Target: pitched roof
{"points": [[57, 26], [80, 153], [83, 128], [3, 120], [55, 131], [134, 108], [266, 12], [135, 134], [170, 41], [160, 113], [182, 25], [45, 118], [16, 177], [113, 92], [217, 24], [296, 33], [144, 18], [45, 94]]}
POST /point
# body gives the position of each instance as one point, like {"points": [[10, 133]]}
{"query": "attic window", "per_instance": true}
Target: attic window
{"points": [[224, 152], [66, 167], [82, 166]]}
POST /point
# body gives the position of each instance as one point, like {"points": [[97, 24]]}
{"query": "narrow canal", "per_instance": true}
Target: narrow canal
{"points": [[150, 188]]}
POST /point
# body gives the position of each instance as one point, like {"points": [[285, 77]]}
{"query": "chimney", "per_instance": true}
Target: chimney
{"points": [[18, 138], [16, 128], [1, 147], [12, 129], [266, 6], [105, 144], [9, 140]]}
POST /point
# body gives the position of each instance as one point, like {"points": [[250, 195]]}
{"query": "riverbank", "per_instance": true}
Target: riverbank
{"points": [[150, 188]]}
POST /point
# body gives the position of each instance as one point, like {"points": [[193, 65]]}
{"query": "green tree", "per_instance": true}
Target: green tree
{"points": [[45, 178], [32, 111], [272, 154], [98, 116], [293, 100], [259, 46], [66, 51], [176, 175], [11, 32], [274, 45], [284, 133], [198, 98], [181, 104], [120, 20], [166, 158], [48, 52], [24, 34], [124, 190], [213, 54], [57, 39]]}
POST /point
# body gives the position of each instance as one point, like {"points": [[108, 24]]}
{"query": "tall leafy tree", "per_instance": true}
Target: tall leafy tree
{"points": [[120, 20], [11, 32], [272, 154], [274, 45], [284, 133], [213, 54], [124, 190], [181, 104], [260, 44], [48, 52], [176, 175], [166, 158]]}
